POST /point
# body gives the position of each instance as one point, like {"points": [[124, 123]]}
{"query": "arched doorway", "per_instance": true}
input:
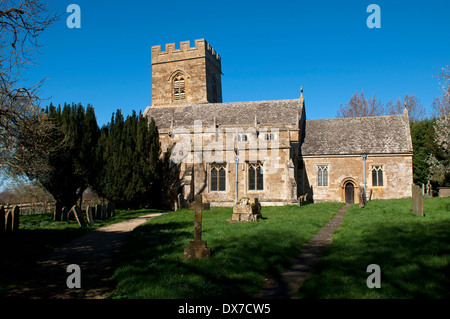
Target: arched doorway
{"points": [[349, 193]]}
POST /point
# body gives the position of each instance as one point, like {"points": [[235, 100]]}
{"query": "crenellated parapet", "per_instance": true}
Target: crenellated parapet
{"points": [[201, 49]]}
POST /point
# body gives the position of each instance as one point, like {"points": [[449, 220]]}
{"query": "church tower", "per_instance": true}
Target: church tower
{"points": [[186, 75]]}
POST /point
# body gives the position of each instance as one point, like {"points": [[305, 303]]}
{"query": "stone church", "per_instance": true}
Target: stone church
{"points": [[268, 149]]}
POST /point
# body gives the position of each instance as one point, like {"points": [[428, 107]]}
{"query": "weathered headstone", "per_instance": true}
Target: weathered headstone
{"points": [[113, 209], [362, 198], [417, 201], [302, 200], [64, 214], [16, 218], [8, 221], [245, 211], [78, 216], [197, 248], [2, 219], [57, 216], [109, 209], [180, 201], [90, 216], [98, 211], [103, 212]]}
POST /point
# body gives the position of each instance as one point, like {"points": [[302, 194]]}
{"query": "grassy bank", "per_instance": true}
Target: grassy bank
{"points": [[413, 253], [151, 264]]}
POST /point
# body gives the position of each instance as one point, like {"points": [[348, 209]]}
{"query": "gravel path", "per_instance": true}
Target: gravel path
{"points": [[287, 284], [93, 252]]}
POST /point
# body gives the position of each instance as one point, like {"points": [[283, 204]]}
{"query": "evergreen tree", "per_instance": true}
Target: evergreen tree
{"points": [[129, 151], [73, 164]]}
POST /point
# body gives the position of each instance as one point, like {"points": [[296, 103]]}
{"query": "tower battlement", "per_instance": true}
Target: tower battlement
{"points": [[171, 54]]}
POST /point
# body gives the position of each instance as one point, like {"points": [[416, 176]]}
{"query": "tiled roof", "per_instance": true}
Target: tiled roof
{"points": [[368, 135], [278, 112]]}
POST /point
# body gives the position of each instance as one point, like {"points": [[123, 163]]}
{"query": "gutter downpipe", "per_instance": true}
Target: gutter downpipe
{"points": [[365, 183]]}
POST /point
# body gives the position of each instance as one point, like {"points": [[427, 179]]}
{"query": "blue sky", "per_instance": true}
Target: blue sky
{"points": [[268, 48]]}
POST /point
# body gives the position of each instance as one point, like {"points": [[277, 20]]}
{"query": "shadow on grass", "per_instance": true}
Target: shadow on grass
{"points": [[236, 269], [414, 258]]}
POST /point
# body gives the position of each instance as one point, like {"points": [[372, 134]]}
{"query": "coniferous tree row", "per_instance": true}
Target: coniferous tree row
{"points": [[129, 166], [72, 162], [120, 162]]}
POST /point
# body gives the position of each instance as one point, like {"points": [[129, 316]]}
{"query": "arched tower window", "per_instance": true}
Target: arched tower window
{"points": [[179, 87]]}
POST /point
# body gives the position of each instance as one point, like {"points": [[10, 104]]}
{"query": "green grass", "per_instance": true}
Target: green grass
{"points": [[151, 264], [413, 253], [38, 236]]}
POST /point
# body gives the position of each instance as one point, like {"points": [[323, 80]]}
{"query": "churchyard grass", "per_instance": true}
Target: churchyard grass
{"points": [[37, 236], [151, 264], [413, 253]]}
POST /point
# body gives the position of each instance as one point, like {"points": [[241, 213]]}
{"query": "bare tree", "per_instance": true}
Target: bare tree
{"points": [[358, 106], [24, 130], [440, 162], [441, 105], [415, 109]]}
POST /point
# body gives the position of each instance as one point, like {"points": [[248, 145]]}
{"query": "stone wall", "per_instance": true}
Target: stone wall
{"points": [[280, 187], [397, 177]]}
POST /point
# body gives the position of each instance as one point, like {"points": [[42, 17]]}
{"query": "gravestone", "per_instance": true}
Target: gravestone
{"points": [[245, 211], [90, 216], [57, 216], [2, 219], [78, 216], [103, 215], [16, 218], [108, 211], [113, 209], [362, 198], [98, 211], [180, 201], [8, 221], [302, 200], [197, 248], [417, 201], [64, 214], [429, 192]]}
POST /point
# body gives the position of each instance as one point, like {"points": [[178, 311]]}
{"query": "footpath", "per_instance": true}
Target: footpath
{"points": [[93, 253], [287, 284]]}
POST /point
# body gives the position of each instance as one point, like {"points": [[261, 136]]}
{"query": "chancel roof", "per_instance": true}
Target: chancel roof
{"points": [[366, 135]]}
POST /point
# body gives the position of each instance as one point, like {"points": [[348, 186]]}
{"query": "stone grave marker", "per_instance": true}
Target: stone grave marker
{"points": [[8, 221], [103, 215], [2, 219], [245, 211], [57, 216], [362, 199], [197, 248], [113, 209], [417, 200], [109, 210], [98, 211], [16, 218], [64, 214], [180, 201], [90, 216], [78, 216]]}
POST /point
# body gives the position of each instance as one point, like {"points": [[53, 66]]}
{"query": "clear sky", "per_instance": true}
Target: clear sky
{"points": [[268, 48]]}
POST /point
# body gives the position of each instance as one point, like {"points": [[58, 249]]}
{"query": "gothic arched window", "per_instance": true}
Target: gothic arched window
{"points": [[179, 87], [218, 178]]}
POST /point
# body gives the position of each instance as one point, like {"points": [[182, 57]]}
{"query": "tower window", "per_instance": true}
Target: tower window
{"points": [[179, 88]]}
